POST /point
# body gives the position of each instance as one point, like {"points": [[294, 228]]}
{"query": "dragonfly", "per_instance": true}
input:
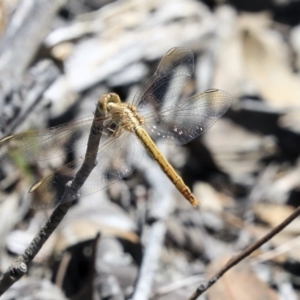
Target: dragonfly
{"points": [[157, 113]]}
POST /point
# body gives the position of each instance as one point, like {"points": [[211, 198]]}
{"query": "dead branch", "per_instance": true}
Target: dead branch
{"points": [[20, 266], [245, 253]]}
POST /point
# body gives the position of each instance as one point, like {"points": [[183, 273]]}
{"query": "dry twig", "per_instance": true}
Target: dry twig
{"points": [[245, 253], [159, 211], [20, 265]]}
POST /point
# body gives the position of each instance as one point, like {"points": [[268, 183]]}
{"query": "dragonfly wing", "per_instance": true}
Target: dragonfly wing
{"points": [[48, 192], [117, 157], [114, 163], [182, 123], [172, 74], [49, 143]]}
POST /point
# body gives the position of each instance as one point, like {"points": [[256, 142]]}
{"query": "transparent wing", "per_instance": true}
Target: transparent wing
{"points": [[114, 163], [49, 143], [117, 157], [172, 74], [182, 123]]}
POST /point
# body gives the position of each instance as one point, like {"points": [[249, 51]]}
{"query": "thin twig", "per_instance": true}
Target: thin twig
{"points": [[62, 269], [88, 291], [159, 209], [19, 267], [93, 264], [271, 254], [239, 257], [176, 285]]}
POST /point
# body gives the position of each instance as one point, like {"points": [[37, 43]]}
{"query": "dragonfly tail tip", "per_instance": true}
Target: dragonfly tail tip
{"points": [[194, 202]]}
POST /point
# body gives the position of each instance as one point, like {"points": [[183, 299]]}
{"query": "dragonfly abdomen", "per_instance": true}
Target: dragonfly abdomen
{"points": [[164, 164]]}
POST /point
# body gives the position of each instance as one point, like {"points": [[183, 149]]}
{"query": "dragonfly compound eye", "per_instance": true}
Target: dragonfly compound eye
{"points": [[102, 103]]}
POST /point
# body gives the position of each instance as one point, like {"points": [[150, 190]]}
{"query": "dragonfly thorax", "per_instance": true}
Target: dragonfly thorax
{"points": [[125, 115], [122, 114]]}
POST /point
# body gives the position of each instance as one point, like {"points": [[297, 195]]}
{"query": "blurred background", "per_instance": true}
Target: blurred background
{"points": [[57, 58]]}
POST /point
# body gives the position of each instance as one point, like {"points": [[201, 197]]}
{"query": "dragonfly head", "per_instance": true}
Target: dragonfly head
{"points": [[105, 100]]}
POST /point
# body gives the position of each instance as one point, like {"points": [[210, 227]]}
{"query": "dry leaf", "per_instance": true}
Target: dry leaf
{"points": [[257, 59], [240, 153], [79, 231], [274, 214], [269, 69], [240, 283], [285, 245], [210, 199]]}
